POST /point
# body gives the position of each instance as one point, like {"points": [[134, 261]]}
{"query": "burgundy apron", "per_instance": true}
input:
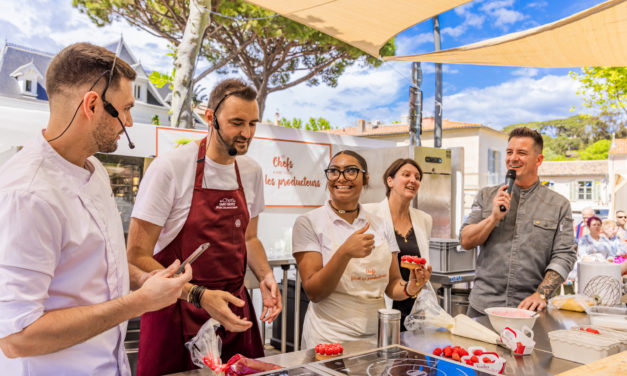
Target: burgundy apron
{"points": [[219, 217]]}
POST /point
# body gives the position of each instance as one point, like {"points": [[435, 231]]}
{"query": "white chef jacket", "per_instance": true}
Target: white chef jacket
{"points": [[61, 245]]}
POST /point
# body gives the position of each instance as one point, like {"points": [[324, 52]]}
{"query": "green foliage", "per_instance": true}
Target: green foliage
{"points": [[155, 120], [603, 87], [160, 79], [598, 150], [276, 53], [313, 124], [571, 138]]}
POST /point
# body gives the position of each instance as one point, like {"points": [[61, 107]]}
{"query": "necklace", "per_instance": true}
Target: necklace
{"points": [[406, 235], [342, 211]]}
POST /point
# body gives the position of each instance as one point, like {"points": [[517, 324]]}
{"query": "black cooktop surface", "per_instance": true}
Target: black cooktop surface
{"points": [[397, 361]]}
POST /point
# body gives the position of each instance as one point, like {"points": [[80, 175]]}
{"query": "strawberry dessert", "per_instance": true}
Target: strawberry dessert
{"points": [[328, 350], [412, 262]]}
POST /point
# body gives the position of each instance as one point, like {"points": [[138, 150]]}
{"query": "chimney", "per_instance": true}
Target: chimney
{"points": [[361, 125]]}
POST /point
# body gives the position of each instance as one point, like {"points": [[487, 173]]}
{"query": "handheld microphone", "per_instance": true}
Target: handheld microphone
{"points": [[509, 181]]}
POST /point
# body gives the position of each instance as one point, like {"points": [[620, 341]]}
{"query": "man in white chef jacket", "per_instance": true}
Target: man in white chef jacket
{"points": [[64, 277]]}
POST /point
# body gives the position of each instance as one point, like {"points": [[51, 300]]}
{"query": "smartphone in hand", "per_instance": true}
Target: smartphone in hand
{"points": [[199, 251]]}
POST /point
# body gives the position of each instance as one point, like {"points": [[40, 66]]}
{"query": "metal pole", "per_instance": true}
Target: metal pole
{"points": [[284, 315], [297, 313], [437, 116], [415, 107]]}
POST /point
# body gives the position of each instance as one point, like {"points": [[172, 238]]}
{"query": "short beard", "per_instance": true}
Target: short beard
{"points": [[104, 141]]}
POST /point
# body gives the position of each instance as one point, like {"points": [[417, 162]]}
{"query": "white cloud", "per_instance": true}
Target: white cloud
{"points": [[537, 4], [361, 93], [519, 100], [526, 72], [470, 20], [503, 16], [51, 25]]}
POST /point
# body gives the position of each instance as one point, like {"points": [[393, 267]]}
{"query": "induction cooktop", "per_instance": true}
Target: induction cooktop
{"points": [[390, 361], [397, 361]]}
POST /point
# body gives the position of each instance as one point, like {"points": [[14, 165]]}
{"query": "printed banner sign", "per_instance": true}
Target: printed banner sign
{"points": [[293, 171]]}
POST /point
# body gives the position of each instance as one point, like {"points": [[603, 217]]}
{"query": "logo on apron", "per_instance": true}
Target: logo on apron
{"points": [[227, 203], [238, 223]]}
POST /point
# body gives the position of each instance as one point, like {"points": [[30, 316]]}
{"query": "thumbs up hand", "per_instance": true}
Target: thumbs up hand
{"points": [[359, 244]]}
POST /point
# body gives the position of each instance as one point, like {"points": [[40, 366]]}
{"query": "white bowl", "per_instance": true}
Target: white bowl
{"points": [[500, 318]]}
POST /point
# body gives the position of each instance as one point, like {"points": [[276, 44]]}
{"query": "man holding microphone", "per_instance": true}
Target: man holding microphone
{"points": [[525, 238]]}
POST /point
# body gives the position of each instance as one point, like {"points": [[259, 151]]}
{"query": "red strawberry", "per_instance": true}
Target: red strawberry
{"points": [[487, 360], [519, 348], [456, 357], [329, 350], [470, 363], [463, 352], [590, 330], [474, 359], [477, 352], [437, 351], [448, 352], [422, 261]]}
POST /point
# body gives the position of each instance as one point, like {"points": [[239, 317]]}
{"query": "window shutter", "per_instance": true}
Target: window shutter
{"points": [[573, 191], [596, 194]]}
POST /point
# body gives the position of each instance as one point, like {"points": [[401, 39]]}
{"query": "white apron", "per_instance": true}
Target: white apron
{"points": [[350, 312]]}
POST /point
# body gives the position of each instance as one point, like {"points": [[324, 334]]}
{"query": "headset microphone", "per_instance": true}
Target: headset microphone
{"points": [[114, 113], [131, 145], [230, 148], [509, 181]]}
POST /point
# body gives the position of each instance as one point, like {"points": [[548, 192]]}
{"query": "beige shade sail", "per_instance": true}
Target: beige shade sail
{"points": [[594, 37], [365, 24]]}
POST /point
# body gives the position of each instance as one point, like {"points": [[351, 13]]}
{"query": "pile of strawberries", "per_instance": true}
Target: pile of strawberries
{"points": [[329, 349], [456, 353], [413, 260]]}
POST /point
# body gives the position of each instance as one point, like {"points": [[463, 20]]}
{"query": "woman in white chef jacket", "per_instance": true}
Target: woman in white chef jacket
{"points": [[345, 258], [412, 227]]}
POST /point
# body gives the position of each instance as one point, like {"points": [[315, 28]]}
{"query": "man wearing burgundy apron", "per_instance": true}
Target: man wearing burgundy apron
{"points": [[201, 192]]}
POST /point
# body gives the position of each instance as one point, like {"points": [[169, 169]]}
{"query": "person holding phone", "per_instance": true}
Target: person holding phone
{"points": [[205, 191], [64, 276], [345, 258]]}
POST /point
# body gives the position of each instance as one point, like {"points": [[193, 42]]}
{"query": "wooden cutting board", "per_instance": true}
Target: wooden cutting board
{"points": [[612, 365]]}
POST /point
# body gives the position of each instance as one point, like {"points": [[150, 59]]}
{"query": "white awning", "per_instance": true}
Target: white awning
{"points": [[365, 24], [594, 37]]}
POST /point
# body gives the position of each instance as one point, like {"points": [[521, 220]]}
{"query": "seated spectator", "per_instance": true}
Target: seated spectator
{"points": [[592, 243], [591, 246], [609, 231]]}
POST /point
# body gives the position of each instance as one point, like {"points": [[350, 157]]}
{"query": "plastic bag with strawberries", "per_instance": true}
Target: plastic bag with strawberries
{"points": [[205, 350], [427, 312]]}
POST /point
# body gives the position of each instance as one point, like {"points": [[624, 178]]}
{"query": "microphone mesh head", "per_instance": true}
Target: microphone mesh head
{"points": [[511, 174]]}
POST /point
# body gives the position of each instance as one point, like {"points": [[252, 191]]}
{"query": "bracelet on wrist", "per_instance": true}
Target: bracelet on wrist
{"points": [[407, 293], [196, 295]]}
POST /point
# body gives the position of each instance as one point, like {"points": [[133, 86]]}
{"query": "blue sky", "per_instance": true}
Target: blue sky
{"points": [[495, 96]]}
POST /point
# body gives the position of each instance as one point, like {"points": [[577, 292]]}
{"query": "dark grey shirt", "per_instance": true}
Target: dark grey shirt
{"points": [[535, 235]]}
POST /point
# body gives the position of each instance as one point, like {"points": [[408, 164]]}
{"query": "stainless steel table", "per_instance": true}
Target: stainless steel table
{"points": [[540, 362], [286, 264], [447, 280]]}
